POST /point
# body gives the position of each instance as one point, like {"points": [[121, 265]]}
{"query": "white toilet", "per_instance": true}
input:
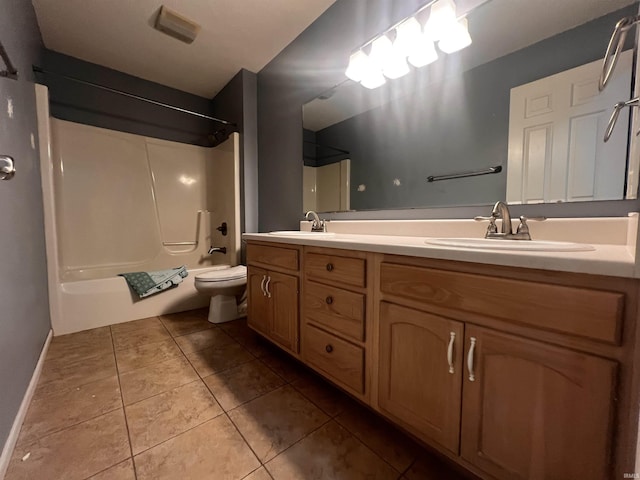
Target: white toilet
{"points": [[226, 286]]}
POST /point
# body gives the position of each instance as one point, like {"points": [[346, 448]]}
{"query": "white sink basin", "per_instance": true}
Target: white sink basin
{"points": [[298, 233], [517, 245]]}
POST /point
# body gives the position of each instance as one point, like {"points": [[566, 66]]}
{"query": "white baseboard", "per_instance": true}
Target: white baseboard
{"points": [[10, 444]]}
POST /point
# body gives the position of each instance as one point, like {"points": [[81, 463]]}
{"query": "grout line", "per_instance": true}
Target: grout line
{"points": [[104, 470], [67, 427], [124, 412]]}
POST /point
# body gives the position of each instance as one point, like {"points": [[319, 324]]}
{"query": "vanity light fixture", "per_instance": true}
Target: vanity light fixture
{"points": [[411, 42]]}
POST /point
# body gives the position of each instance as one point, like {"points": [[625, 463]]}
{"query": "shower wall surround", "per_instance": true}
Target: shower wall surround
{"points": [[125, 202]]}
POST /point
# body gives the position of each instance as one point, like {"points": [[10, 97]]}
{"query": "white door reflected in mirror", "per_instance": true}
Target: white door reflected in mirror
{"points": [[556, 127]]}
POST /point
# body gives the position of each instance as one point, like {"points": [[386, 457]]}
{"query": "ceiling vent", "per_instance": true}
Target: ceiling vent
{"points": [[176, 25]]}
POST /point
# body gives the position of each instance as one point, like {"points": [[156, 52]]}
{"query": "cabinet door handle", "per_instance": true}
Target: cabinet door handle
{"points": [[266, 286], [329, 348], [452, 338], [329, 267], [329, 300], [264, 278], [472, 348]]}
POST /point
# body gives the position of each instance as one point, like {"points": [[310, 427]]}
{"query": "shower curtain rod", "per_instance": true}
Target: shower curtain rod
{"points": [[136, 97]]}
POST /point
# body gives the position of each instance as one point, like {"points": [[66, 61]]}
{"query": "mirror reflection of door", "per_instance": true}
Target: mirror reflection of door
{"points": [[556, 127], [326, 188]]}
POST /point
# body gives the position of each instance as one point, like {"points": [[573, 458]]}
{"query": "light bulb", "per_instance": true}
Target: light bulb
{"points": [[441, 18], [425, 52], [456, 38], [381, 51], [358, 63], [373, 79], [408, 37]]}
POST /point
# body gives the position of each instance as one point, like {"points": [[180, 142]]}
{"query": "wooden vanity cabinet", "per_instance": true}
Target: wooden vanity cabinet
{"points": [[273, 307], [420, 373], [535, 411], [335, 309], [512, 373], [530, 396]]}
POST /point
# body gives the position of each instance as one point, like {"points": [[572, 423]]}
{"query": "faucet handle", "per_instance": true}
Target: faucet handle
{"points": [[523, 228], [492, 227]]}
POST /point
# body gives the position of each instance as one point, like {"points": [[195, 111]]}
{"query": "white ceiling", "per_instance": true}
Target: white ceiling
{"points": [[118, 34]]}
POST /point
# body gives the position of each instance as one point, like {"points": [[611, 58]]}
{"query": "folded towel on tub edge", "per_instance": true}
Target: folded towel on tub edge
{"points": [[149, 283]]}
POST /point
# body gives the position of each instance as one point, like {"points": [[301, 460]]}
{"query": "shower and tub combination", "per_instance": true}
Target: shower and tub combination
{"points": [[116, 202]]}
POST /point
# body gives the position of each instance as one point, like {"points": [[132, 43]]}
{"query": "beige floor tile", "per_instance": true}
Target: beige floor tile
{"points": [[330, 400], [257, 345], [75, 453], [121, 471], [330, 453], [286, 366], [235, 327], [277, 420], [79, 345], [212, 450], [123, 340], [134, 325], [217, 359], [380, 436], [186, 322], [157, 378], [430, 467], [55, 411], [243, 383], [212, 337], [148, 354], [163, 416], [259, 474], [58, 374]]}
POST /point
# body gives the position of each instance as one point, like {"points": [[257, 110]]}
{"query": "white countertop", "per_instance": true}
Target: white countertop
{"points": [[614, 259]]}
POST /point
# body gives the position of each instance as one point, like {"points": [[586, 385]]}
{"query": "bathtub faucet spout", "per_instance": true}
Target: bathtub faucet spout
{"points": [[213, 249]]}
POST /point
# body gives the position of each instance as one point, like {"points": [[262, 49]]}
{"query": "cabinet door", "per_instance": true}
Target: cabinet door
{"points": [[259, 307], [535, 411], [420, 372], [284, 320]]}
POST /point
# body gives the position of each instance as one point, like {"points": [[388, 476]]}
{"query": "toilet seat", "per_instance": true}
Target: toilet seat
{"points": [[224, 274]]}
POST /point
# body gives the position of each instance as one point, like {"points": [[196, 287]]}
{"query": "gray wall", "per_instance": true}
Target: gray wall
{"points": [[24, 314], [401, 140], [237, 102], [315, 62], [80, 103]]}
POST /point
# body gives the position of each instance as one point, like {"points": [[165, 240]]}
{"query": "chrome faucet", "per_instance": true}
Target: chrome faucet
{"points": [[213, 250], [501, 211], [317, 225]]}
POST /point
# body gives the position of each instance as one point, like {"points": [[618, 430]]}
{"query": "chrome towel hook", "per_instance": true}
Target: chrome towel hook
{"points": [[7, 167], [616, 43], [634, 102]]}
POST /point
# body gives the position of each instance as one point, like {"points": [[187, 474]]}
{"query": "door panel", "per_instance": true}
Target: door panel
{"points": [[416, 385], [259, 307], [284, 321], [523, 416]]}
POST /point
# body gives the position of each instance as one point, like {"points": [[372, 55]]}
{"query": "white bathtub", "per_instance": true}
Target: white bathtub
{"points": [[95, 303]]}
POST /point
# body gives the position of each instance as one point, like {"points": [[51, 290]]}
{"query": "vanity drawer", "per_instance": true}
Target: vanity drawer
{"points": [[584, 312], [335, 269], [337, 358], [273, 256], [335, 308]]}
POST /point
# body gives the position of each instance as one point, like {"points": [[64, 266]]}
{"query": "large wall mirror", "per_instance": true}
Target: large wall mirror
{"points": [[520, 106]]}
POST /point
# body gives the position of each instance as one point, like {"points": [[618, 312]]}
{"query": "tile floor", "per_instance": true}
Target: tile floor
{"points": [[175, 397]]}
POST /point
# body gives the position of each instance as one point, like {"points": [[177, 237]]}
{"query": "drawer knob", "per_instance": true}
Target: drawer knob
{"points": [[329, 348], [329, 267], [329, 300]]}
